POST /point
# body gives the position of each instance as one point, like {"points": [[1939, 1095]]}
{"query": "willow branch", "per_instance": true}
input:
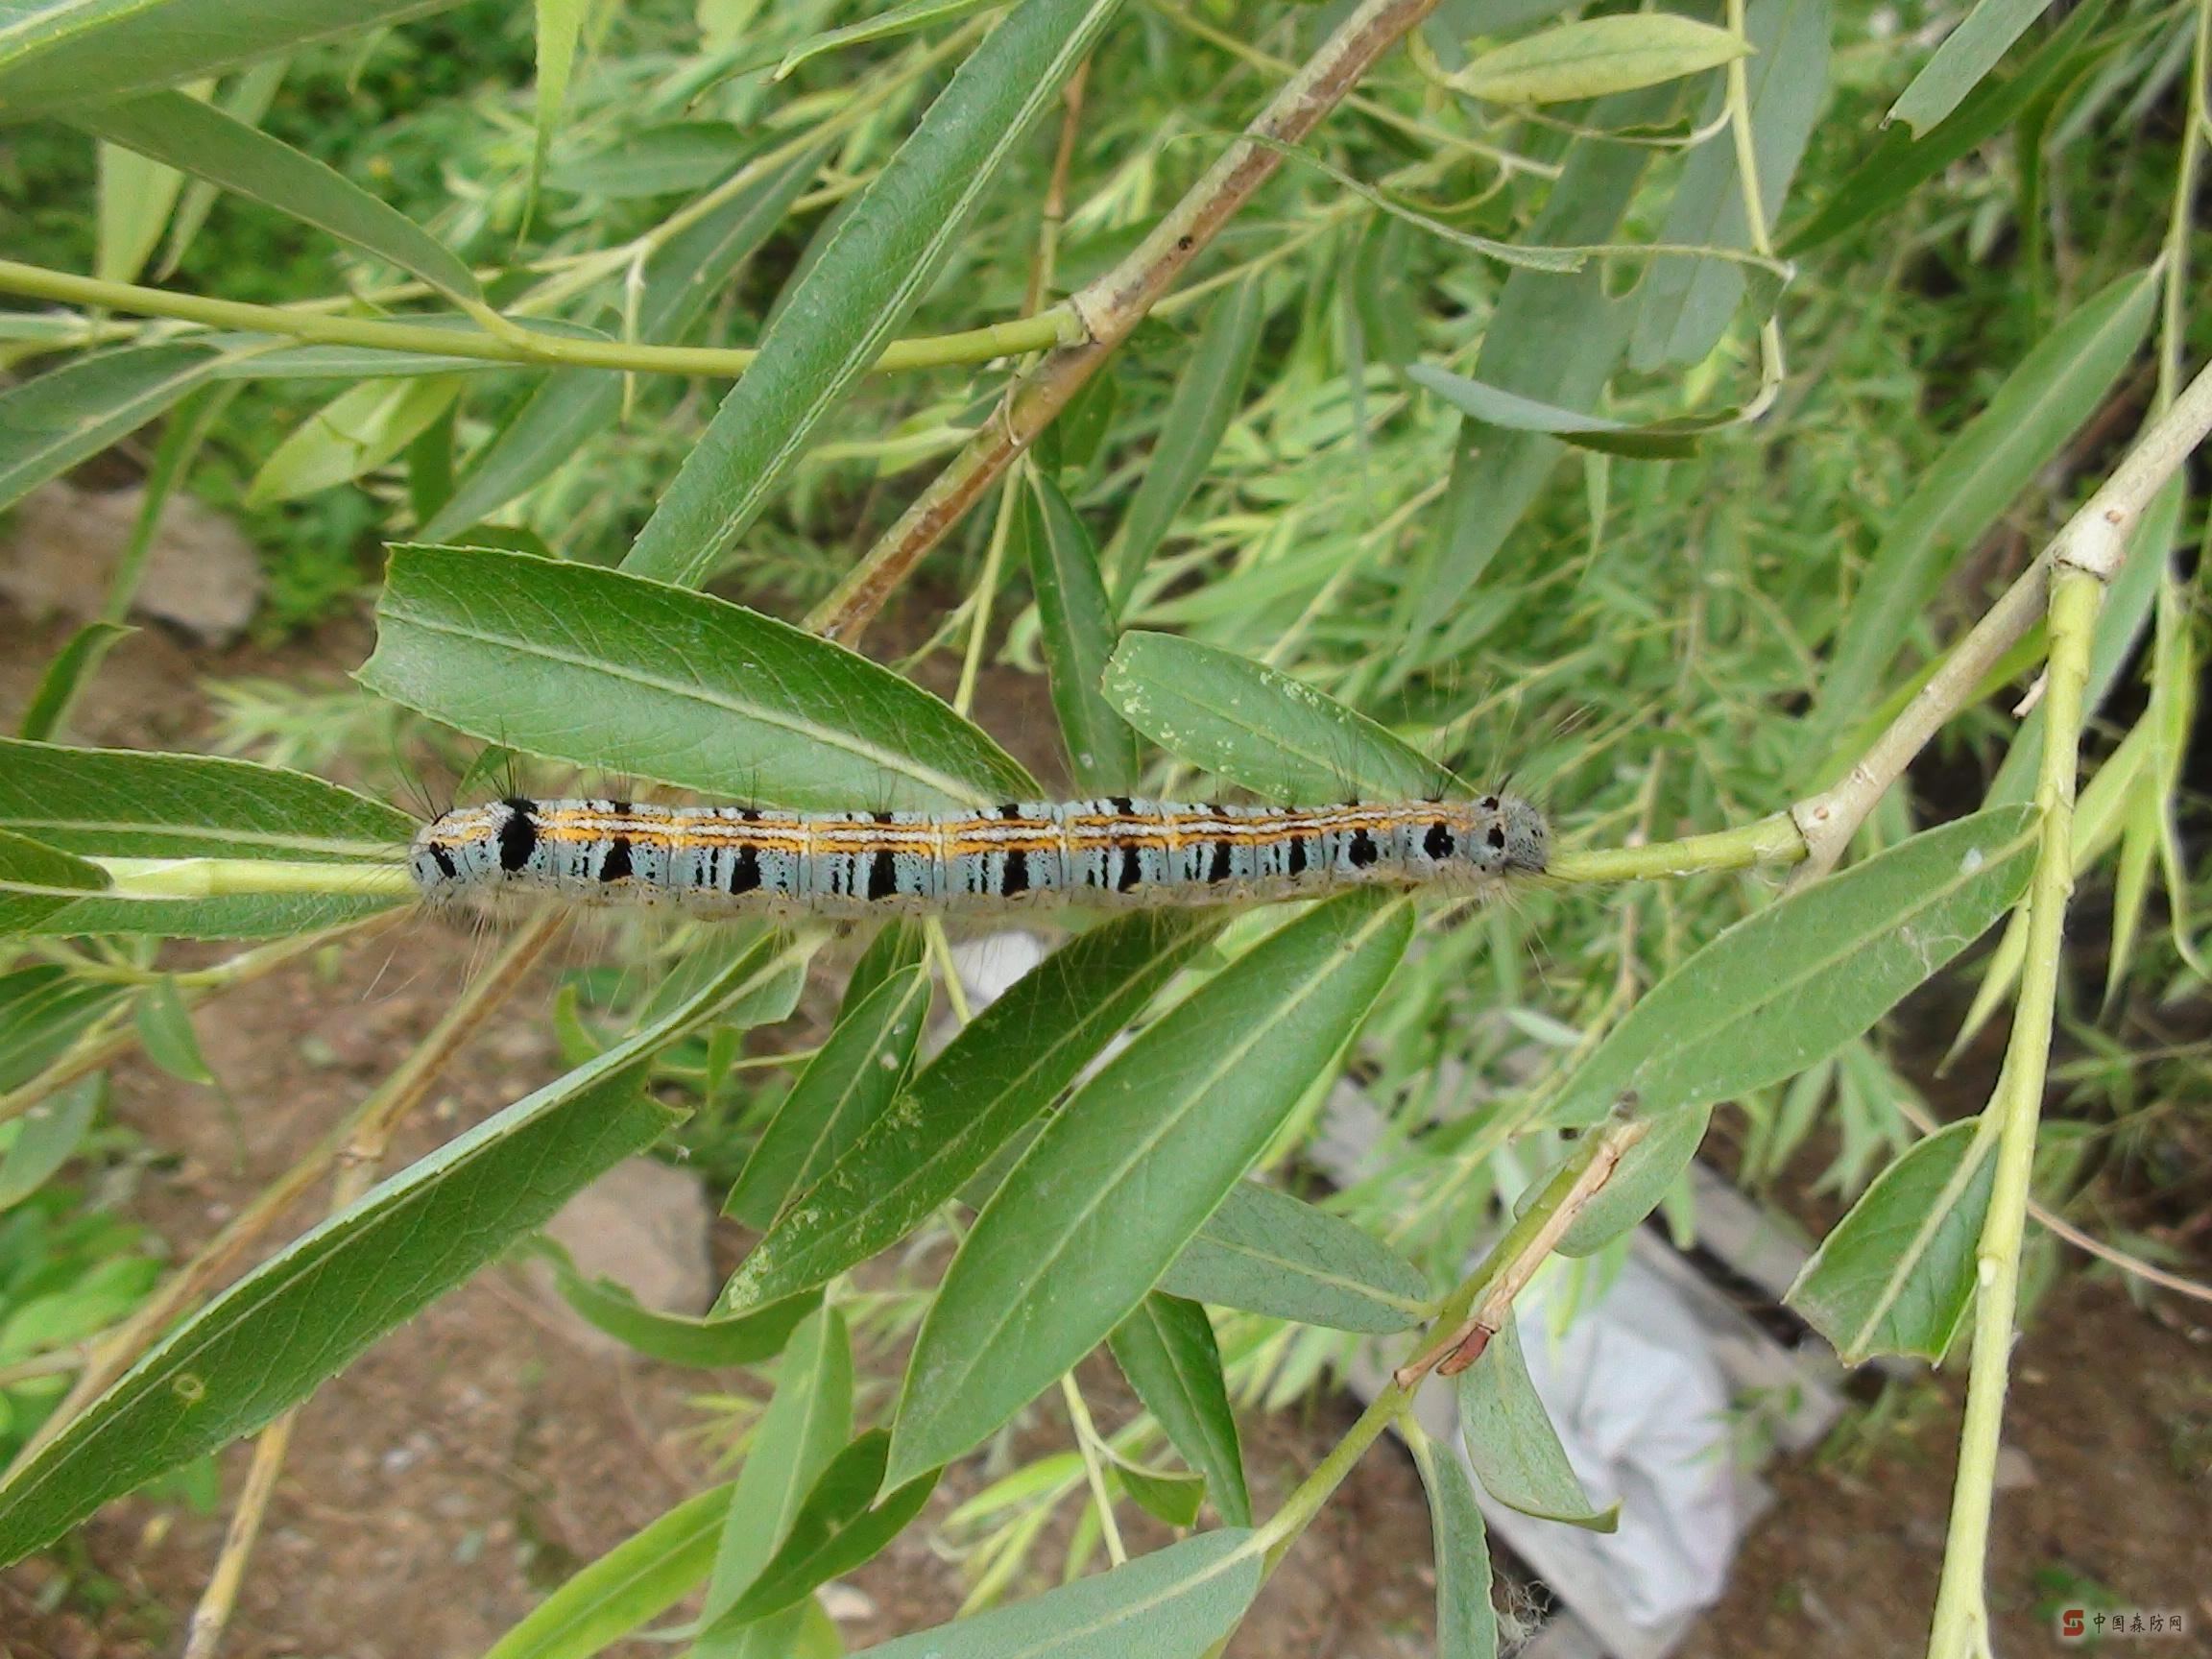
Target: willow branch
{"points": [[1110, 307], [1961, 1621], [516, 344], [2094, 541]]}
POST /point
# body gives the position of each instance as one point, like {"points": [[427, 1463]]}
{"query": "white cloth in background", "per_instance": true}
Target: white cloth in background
{"points": [[1642, 1409]]}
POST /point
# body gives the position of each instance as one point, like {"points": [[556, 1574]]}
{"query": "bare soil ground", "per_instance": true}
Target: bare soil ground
{"points": [[477, 1454]]}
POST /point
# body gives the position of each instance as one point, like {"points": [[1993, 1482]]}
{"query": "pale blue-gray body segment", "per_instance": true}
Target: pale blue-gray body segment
{"points": [[1119, 851]]}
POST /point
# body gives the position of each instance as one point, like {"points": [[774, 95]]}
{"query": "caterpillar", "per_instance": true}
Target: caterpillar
{"points": [[1119, 851]]}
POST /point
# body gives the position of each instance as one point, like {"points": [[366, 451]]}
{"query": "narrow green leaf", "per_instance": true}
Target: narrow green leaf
{"points": [[1896, 1274], [891, 21], [1269, 1253], [127, 803], [136, 198], [572, 406], [1004, 1068], [267, 1341], [247, 99], [2042, 403], [66, 675], [165, 1032], [1121, 1179], [808, 1419], [38, 882], [638, 1581], [47, 1137], [1167, 1350], [605, 669], [672, 1338], [1901, 161], [44, 1009], [1517, 253], [850, 302], [1161, 1493], [1466, 1619], [1790, 984], [1078, 625], [663, 160], [1274, 736], [901, 943], [1552, 338], [1493, 406], [353, 434], [835, 1531], [1596, 56], [1511, 1444], [1968, 53], [560, 23], [56, 56], [72, 413], [1646, 1176], [1174, 1604], [195, 137], [849, 1084], [1684, 306], [1205, 398]]}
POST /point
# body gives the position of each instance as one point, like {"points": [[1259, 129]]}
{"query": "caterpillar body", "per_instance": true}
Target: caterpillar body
{"points": [[1119, 851]]}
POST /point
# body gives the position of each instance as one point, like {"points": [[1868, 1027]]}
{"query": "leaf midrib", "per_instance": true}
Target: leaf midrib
{"points": [[954, 792]]}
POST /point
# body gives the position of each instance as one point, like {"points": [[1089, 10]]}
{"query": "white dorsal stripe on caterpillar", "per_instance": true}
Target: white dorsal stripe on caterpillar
{"points": [[1119, 851]]}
